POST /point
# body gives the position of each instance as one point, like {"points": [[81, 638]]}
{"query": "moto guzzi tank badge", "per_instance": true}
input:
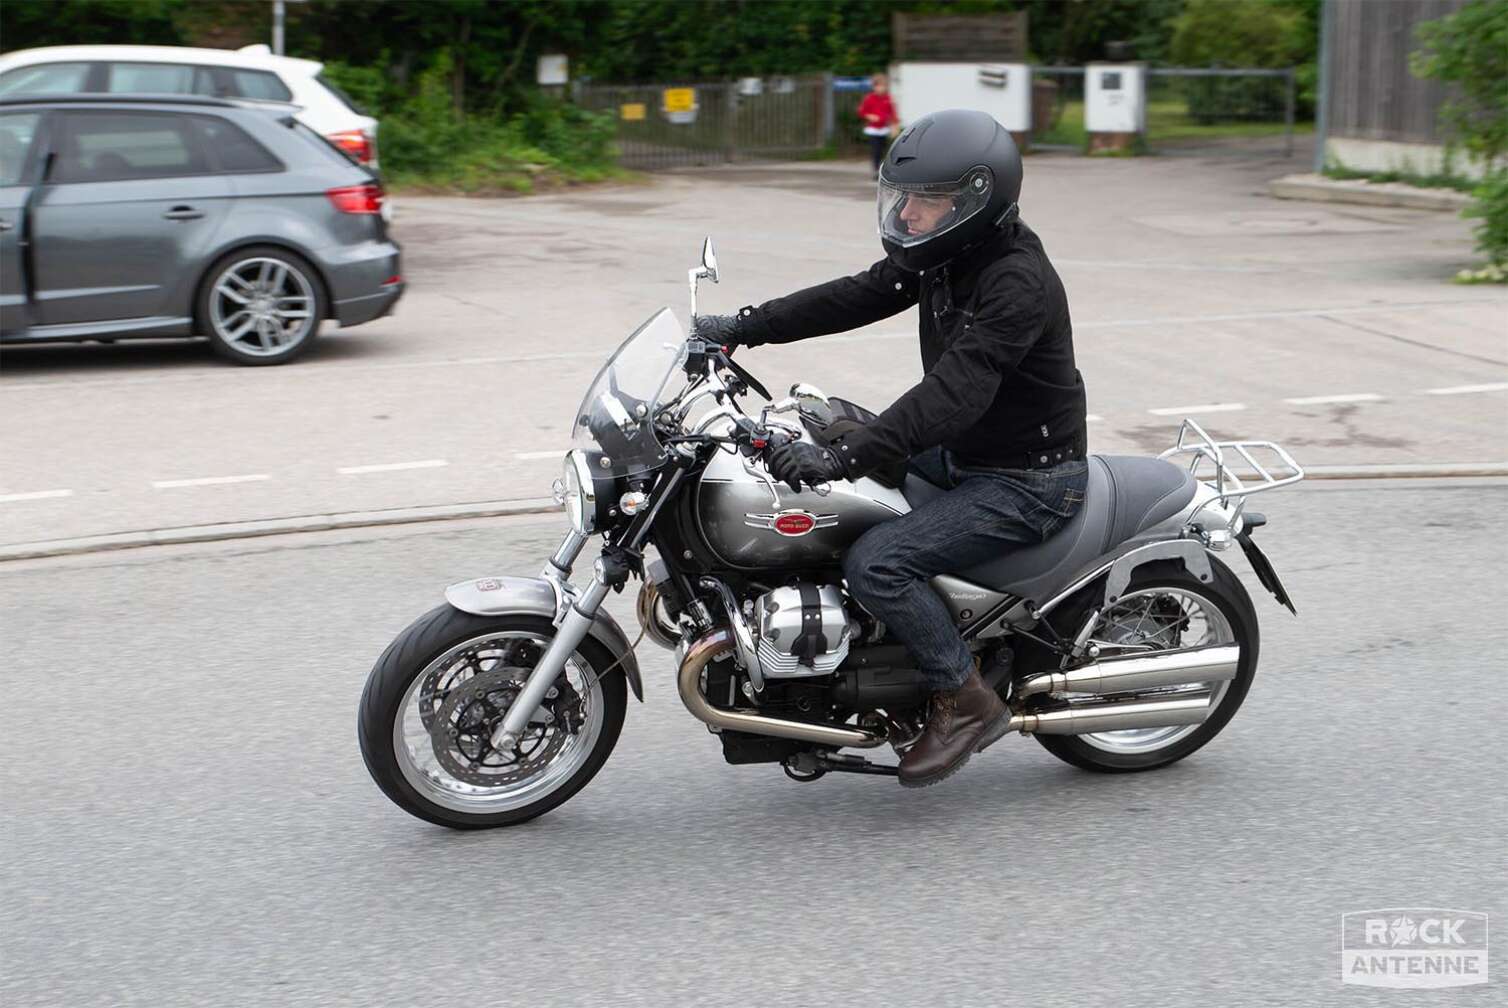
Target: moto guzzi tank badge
{"points": [[791, 523]]}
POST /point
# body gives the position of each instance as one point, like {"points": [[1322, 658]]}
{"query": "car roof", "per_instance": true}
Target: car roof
{"points": [[253, 57], [127, 99]]}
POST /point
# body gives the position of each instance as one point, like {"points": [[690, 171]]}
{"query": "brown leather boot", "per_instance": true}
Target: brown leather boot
{"points": [[959, 723]]}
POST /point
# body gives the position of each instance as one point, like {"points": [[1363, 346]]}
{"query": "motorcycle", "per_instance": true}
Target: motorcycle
{"points": [[1123, 643]]}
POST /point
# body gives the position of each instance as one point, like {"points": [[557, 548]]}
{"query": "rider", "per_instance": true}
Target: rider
{"points": [[997, 419]]}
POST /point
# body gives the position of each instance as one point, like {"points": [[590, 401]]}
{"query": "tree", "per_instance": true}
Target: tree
{"points": [[1469, 49]]}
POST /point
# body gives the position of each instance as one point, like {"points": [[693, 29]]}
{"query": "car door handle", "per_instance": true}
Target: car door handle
{"points": [[183, 213]]}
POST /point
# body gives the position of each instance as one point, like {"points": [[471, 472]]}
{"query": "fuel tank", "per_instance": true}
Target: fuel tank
{"points": [[753, 523]]}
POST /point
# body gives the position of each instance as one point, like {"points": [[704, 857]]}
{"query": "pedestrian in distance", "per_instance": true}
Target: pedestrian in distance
{"points": [[881, 123]]}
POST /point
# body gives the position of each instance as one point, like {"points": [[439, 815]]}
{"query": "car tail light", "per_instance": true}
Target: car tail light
{"points": [[356, 143], [357, 199]]}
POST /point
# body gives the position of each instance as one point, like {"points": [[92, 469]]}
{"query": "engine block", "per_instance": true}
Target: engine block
{"points": [[802, 630]]}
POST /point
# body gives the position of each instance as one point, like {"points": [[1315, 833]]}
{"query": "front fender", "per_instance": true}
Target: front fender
{"points": [[523, 596]]}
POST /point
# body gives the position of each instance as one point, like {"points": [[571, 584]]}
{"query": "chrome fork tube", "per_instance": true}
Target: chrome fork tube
{"points": [[571, 632], [559, 565]]}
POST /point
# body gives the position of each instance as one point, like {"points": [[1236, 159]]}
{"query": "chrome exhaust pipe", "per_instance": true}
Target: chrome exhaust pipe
{"points": [[1085, 717], [1152, 671], [689, 683]]}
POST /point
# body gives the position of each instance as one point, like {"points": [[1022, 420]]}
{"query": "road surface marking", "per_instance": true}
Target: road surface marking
{"points": [[1221, 407], [392, 467], [209, 481], [528, 456], [1319, 400], [1463, 389], [1093, 418], [34, 495]]}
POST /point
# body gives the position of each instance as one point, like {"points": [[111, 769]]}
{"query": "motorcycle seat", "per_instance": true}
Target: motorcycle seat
{"points": [[1125, 495]]}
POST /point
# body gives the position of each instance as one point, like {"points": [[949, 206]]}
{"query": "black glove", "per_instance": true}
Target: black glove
{"points": [[720, 329], [802, 462]]}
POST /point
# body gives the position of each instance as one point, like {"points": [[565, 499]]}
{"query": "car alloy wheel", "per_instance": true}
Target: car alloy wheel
{"points": [[262, 307]]}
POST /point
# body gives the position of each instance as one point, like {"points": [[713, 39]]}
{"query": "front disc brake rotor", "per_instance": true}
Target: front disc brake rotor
{"points": [[462, 733]]}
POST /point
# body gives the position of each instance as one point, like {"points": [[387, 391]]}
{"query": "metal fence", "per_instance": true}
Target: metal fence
{"points": [[682, 125], [678, 125]]}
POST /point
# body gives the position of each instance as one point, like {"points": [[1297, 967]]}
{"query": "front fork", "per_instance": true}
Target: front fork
{"points": [[571, 630]]}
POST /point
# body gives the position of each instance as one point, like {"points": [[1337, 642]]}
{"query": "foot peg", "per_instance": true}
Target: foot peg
{"points": [[809, 766]]}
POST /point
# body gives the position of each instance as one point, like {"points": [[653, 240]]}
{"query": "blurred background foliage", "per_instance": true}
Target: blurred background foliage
{"points": [[453, 80]]}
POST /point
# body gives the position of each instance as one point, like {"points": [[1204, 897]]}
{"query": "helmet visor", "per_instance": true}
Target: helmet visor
{"points": [[911, 214]]}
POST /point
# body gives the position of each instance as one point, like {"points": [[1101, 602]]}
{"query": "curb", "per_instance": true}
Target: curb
{"points": [[1384, 194], [541, 505]]}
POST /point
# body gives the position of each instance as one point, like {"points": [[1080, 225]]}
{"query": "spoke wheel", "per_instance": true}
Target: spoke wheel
{"points": [[261, 306], [1166, 608]]}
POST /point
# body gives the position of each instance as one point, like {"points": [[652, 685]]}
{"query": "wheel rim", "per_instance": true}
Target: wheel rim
{"points": [[1146, 621], [262, 306], [488, 655]]}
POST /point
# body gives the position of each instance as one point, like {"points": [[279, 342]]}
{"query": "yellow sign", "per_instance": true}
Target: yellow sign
{"points": [[631, 111], [678, 99]]}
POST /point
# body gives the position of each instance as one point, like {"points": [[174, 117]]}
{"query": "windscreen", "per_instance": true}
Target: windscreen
{"points": [[615, 422]]}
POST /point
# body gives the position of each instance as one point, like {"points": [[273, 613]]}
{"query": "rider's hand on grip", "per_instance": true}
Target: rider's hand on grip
{"points": [[801, 462]]}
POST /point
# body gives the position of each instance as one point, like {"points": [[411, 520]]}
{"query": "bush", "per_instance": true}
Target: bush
{"points": [[1491, 206], [425, 143], [1470, 50], [1260, 34]]}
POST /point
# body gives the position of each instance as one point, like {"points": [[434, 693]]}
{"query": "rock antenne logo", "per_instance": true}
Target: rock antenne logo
{"points": [[1413, 948]]}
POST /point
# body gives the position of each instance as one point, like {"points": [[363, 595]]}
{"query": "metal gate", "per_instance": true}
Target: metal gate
{"points": [[677, 125]]}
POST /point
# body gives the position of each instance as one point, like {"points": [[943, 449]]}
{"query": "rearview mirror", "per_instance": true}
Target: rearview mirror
{"points": [[709, 260]]}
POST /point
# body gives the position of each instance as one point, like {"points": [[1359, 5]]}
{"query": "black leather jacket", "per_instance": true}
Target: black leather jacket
{"points": [[1000, 386]]}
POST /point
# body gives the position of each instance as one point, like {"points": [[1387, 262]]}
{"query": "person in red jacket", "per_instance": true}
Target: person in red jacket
{"points": [[877, 112]]}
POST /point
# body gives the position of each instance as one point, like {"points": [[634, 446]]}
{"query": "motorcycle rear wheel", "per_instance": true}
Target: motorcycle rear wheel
{"points": [[1231, 619], [436, 656]]}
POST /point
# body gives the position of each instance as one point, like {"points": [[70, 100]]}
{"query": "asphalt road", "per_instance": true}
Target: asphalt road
{"points": [[1332, 329], [187, 820]]}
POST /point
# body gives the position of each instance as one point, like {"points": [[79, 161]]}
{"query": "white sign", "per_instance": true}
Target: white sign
{"points": [[1413, 947], [553, 69]]}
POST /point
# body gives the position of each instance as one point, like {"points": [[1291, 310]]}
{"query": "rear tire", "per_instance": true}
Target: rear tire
{"points": [[1229, 597], [449, 637], [261, 305]]}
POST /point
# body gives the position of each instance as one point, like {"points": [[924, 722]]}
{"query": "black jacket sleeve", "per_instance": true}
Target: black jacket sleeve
{"points": [[879, 292], [1009, 317]]}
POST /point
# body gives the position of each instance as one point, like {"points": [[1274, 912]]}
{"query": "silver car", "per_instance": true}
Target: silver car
{"points": [[151, 216]]}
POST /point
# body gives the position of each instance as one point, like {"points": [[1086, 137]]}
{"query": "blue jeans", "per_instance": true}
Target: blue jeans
{"points": [[984, 513]]}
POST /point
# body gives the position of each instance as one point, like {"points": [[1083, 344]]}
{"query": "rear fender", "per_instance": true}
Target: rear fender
{"points": [[523, 596]]}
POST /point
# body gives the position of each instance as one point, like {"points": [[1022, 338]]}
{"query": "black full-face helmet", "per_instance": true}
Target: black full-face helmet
{"points": [[949, 181]]}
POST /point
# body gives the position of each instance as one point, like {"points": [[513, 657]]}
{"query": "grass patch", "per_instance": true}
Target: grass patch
{"points": [[1166, 121], [1434, 181]]}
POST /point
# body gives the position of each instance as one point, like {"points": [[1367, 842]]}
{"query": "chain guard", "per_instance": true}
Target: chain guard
{"points": [[461, 734]]}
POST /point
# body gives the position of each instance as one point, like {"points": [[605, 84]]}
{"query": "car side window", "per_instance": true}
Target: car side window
{"points": [[233, 149], [45, 78], [113, 146], [150, 78], [16, 132], [259, 85]]}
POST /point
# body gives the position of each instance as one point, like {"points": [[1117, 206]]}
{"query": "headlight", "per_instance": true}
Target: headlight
{"points": [[580, 496]]}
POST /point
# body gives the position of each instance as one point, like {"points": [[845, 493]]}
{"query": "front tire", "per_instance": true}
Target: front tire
{"points": [[420, 684], [1231, 620]]}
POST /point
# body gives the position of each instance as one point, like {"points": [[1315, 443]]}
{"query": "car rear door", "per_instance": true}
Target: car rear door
{"points": [[125, 213], [18, 133]]}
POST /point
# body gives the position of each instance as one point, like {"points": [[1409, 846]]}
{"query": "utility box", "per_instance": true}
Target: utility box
{"points": [[1004, 90], [1115, 106]]}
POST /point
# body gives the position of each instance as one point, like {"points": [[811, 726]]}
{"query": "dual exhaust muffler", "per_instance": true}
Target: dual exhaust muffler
{"points": [[1208, 665]]}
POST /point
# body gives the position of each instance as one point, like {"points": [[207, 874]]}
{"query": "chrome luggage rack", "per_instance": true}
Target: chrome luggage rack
{"points": [[1204, 450]]}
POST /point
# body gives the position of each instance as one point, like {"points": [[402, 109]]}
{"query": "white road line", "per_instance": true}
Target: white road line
{"points": [[1093, 418], [1319, 400], [209, 481], [34, 495], [392, 467], [1223, 407], [1464, 389], [529, 456]]}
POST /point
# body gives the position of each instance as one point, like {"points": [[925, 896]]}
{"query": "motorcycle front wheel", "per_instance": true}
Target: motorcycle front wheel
{"points": [[1166, 608], [437, 692]]}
